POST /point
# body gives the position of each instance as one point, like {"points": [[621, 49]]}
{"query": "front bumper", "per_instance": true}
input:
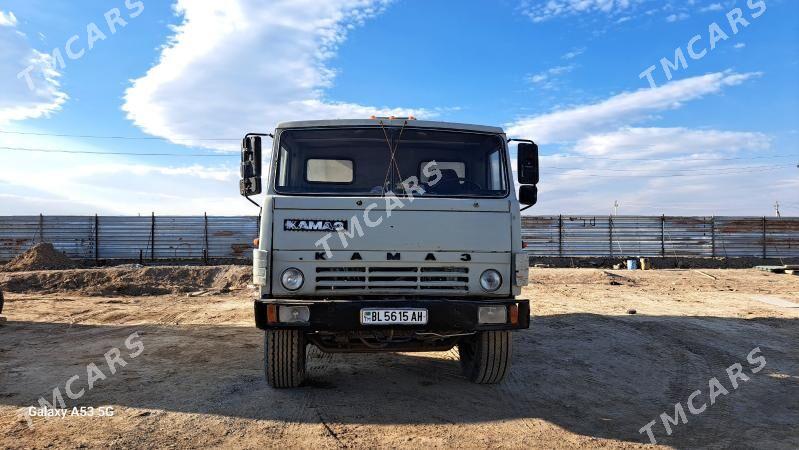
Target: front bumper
{"points": [[344, 315]]}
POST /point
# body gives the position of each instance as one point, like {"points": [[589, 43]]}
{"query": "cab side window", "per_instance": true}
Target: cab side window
{"points": [[496, 181]]}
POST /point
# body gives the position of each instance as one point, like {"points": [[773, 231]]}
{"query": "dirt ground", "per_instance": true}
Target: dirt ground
{"points": [[586, 373]]}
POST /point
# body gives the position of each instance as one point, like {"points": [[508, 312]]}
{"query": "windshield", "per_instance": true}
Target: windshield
{"points": [[357, 161]]}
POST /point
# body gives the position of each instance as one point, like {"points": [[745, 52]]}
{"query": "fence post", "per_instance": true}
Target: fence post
{"points": [[41, 228], [764, 237], [152, 237], [610, 234], [713, 236], [560, 235], [662, 235], [96, 239], [205, 252]]}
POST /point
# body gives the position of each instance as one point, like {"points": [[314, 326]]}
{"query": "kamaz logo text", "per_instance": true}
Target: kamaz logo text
{"points": [[314, 225]]}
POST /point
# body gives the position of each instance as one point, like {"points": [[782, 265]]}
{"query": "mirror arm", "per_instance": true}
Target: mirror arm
{"points": [[259, 134], [252, 201], [526, 208], [520, 140], [260, 209]]}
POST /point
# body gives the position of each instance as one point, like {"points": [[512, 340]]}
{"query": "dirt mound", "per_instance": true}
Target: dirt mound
{"points": [[41, 256], [130, 281]]}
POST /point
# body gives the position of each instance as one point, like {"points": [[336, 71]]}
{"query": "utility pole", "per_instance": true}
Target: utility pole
{"points": [[777, 208]]}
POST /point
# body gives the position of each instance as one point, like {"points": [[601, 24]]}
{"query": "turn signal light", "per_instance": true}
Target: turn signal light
{"points": [[271, 313], [256, 242], [392, 117], [513, 314]]}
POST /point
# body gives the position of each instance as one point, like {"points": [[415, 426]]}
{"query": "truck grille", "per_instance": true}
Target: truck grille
{"points": [[399, 280]]}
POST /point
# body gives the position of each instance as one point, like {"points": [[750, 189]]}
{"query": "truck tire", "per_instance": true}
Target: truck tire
{"points": [[485, 357], [284, 358]]}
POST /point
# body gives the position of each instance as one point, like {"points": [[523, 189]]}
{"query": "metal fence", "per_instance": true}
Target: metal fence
{"points": [[148, 238], [665, 236], [153, 238]]}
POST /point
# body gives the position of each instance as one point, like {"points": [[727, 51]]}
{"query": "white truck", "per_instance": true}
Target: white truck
{"points": [[386, 235]]}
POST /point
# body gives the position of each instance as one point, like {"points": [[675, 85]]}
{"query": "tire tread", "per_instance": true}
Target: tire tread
{"points": [[284, 358], [491, 359]]}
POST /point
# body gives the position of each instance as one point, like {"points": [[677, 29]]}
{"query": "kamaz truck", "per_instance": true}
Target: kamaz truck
{"points": [[389, 235]]}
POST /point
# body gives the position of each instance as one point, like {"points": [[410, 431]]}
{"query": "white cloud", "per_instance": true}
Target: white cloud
{"points": [[7, 19], [259, 66], [540, 11], [677, 17], [651, 142], [712, 7], [574, 123], [574, 53], [112, 184], [262, 64], [548, 78], [79, 184], [18, 100], [666, 170], [600, 157], [739, 45]]}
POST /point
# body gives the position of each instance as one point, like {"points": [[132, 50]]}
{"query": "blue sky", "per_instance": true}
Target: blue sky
{"points": [[719, 138]]}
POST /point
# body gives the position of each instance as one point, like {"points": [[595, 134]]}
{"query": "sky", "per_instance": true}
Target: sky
{"points": [[664, 107]]}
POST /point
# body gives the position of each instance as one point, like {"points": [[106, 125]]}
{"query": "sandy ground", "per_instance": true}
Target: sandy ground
{"points": [[586, 373]]}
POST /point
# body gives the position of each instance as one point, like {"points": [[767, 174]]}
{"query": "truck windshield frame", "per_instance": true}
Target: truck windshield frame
{"points": [[370, 148]]}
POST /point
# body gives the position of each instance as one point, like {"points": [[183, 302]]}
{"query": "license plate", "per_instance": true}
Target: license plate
{"points": [[380, 316]]}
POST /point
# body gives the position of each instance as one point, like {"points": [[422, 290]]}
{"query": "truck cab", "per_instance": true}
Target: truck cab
{"points": [[388, 235]]}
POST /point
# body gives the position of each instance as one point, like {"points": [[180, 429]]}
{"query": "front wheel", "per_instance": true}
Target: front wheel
{"points": [[485, 357], [284, 358]]}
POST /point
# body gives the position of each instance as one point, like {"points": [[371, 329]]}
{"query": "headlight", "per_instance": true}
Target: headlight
{"points": [[490, 280], [292, 279]]}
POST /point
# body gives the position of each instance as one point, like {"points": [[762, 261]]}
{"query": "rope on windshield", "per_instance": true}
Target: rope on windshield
{"points": [[392, 152]]}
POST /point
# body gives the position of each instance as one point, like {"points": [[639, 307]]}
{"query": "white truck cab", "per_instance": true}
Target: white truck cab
{"points": [[389, 234]]}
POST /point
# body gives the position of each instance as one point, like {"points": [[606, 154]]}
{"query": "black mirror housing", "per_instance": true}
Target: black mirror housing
{"points": [[250, 186], [250, 183], [527, 163], [528, 195]]}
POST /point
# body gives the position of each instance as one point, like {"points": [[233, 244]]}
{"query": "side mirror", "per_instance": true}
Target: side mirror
{"points": [[528, 195], [250, 183], [527, 163]]}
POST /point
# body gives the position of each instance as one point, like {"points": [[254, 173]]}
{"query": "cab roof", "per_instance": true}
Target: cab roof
{"points": [[397, 122]]}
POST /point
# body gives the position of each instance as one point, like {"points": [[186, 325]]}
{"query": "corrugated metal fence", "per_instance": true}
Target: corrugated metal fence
{"points": [[667, 236], [131, 237], [210, 237]]}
